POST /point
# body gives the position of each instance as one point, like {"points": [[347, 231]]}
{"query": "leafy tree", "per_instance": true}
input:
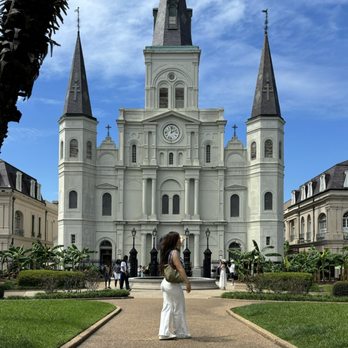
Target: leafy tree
{"points": [[17, 259], [26, 29]]}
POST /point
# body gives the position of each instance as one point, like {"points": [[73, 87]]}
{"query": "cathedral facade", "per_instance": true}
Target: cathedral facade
{"points": [[171, 170]]}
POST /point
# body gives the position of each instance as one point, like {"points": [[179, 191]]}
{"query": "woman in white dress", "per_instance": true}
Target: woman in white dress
{"points": [[223, 275]]}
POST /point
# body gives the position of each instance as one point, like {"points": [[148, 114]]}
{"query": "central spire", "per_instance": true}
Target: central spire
{"points": [[172, 24]]}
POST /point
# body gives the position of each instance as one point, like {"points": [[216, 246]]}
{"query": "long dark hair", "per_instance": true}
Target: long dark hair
{"points": [[168, 243]]}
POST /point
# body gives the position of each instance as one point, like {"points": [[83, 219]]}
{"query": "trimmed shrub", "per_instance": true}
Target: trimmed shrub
{"points": [[84, 294], [51, 280], [340, 289], [291, 282]]}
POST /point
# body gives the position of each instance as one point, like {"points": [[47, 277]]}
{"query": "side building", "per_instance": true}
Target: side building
{"points": [[25, 216], [317, 214]]}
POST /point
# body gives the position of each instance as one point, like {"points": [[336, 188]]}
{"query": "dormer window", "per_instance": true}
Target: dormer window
{"points": [[310, 189], [32, 188], [38, 191], [322, 186], [303, 192], [19, 181], [293, 197], [346, 179]]}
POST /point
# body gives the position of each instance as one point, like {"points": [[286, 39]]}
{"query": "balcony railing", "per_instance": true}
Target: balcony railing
{"points": [[19, 232]]}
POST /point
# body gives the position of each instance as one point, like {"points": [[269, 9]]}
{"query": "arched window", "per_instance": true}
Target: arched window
{"points": [[268, 148], [234, 250], [208, 154], [74, 148], [234, 206], [134, 154], [309, 228], [165, 204], [173, 14], [19, 223], [176, 204], [106, 204], [302, 232], [268, 201], [179, 97], [171, 158], [89, 150], [253, 150], [163, 98], [61, 150], [345, 221], [72, 200], [322, 226]]}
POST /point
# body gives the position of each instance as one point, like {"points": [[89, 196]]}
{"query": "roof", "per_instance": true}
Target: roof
{"points": [[172, 24]]}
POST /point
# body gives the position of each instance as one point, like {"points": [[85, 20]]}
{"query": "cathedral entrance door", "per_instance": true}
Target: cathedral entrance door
{"points": [[105, 253]]}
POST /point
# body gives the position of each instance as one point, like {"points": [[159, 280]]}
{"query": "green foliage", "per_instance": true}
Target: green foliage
{"points": [[340, 289], [47, 323], [84, 294], [44, 279], [292, 282]]}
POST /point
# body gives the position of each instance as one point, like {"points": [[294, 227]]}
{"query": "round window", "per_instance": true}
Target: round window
{"points": [[171, 76]]}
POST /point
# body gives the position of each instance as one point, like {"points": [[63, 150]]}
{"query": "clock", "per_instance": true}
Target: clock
{"points": [[171, 132]]}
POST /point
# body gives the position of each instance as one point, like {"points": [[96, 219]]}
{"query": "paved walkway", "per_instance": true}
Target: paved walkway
{"points": [[210, 325]]}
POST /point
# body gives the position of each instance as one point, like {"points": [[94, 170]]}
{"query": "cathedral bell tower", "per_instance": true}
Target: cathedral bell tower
{"points": [[265, 144], [77, 160]]}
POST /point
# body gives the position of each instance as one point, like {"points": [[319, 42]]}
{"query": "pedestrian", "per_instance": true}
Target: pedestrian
{"points": [[140, 271], [117, 271], [173, 317], [232, 269], [107, 276], [124, 273], [223, 275]]}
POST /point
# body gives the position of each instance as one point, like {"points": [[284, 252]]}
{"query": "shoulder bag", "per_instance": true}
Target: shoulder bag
{"points": [[171, 275]]}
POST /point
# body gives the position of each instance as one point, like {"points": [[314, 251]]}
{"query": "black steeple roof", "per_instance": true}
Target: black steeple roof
{"points": [[266, 101], [172, 24], [77, 102]]}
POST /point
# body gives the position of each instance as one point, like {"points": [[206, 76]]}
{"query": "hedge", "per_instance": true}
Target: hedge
{"points": [[52, 279], [291, 282], [340, 289]]}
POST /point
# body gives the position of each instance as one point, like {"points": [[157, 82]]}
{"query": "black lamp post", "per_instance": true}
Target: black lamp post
{"points": [[154, 253], [187, 253], [133, 257], [207, 258]]}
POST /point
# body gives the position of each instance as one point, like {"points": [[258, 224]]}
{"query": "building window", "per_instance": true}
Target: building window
{"points": [[176, 204], [163, 98], [302, 232], [345, 221], [322, 186], [268, 241], [106, 204], [173, 15], [33, 225], [322, 226], [303, 192], [207, 154], [73, 239], [19, 181], [234, 206], [179, 98], [72, 200], [74, 148], [292, 230], [253, 150], [310, 189], [268, 148], [165, 204], [19, 223], [32, 188], [268, 201], [293, 197], [39, 234], [134, 154], [61, 150], [171, 158], [309, 229], [89, 150]]}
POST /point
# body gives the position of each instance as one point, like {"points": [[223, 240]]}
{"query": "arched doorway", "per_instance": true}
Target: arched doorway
{"points": [[234, 250], [105, 253]]}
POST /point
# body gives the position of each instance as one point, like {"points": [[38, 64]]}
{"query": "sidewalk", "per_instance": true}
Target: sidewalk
{"points": [[210, 325]]}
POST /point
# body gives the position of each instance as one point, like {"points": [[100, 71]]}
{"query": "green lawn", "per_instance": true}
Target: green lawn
{"points": [[46, 323], [306, 325]]}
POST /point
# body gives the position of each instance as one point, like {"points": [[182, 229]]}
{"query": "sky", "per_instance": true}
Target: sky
{"points": [[309, 46]]}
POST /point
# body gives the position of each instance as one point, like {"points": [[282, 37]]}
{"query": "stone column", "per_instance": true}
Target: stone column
{"points": [[153, 198], [187, 182], [196, 263], [196, 196], [121, 152], [144, 197], [143, 249]]}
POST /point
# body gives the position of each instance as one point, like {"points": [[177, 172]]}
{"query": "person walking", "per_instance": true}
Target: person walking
{"points": [[124, 273], [232, 269], [223, 275], [107, 276], [117, 272], [173, 317]]}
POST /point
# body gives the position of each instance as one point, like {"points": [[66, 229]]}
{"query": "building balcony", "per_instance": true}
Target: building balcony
{"points": [[321, 236], [19, 232]]}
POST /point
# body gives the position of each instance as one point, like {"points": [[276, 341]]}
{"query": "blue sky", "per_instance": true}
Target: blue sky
{"points": [[309, 45]]}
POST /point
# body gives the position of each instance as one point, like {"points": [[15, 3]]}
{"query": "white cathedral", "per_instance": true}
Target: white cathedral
{"points": [[171, 170]]}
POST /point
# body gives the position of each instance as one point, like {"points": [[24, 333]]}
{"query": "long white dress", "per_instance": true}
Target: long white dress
{"points": [[223, 277]]}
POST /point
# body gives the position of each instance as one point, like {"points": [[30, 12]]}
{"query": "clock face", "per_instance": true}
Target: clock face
{"points": [[171, 132]]}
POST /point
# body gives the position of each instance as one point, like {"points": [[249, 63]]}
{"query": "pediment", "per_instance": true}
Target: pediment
{"points": [[172, 113], [107, 187], [235, 188]]}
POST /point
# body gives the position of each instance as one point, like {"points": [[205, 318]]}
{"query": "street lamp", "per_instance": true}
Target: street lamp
{"points": [[207, 258], [154, 253], [133, 257], [187, 253]]}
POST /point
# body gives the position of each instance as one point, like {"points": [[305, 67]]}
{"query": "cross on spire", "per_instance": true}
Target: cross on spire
{"points": [[78, 18], [75, 88], [235, 131], [108, 128], [266, 20]]}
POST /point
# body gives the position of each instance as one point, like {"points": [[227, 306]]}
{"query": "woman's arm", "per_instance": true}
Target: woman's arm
{"points": [[180, 269]]}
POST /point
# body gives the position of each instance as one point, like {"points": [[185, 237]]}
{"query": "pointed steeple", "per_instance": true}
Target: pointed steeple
{"points": [[266, 101], [77, 100], [172, 24]]}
